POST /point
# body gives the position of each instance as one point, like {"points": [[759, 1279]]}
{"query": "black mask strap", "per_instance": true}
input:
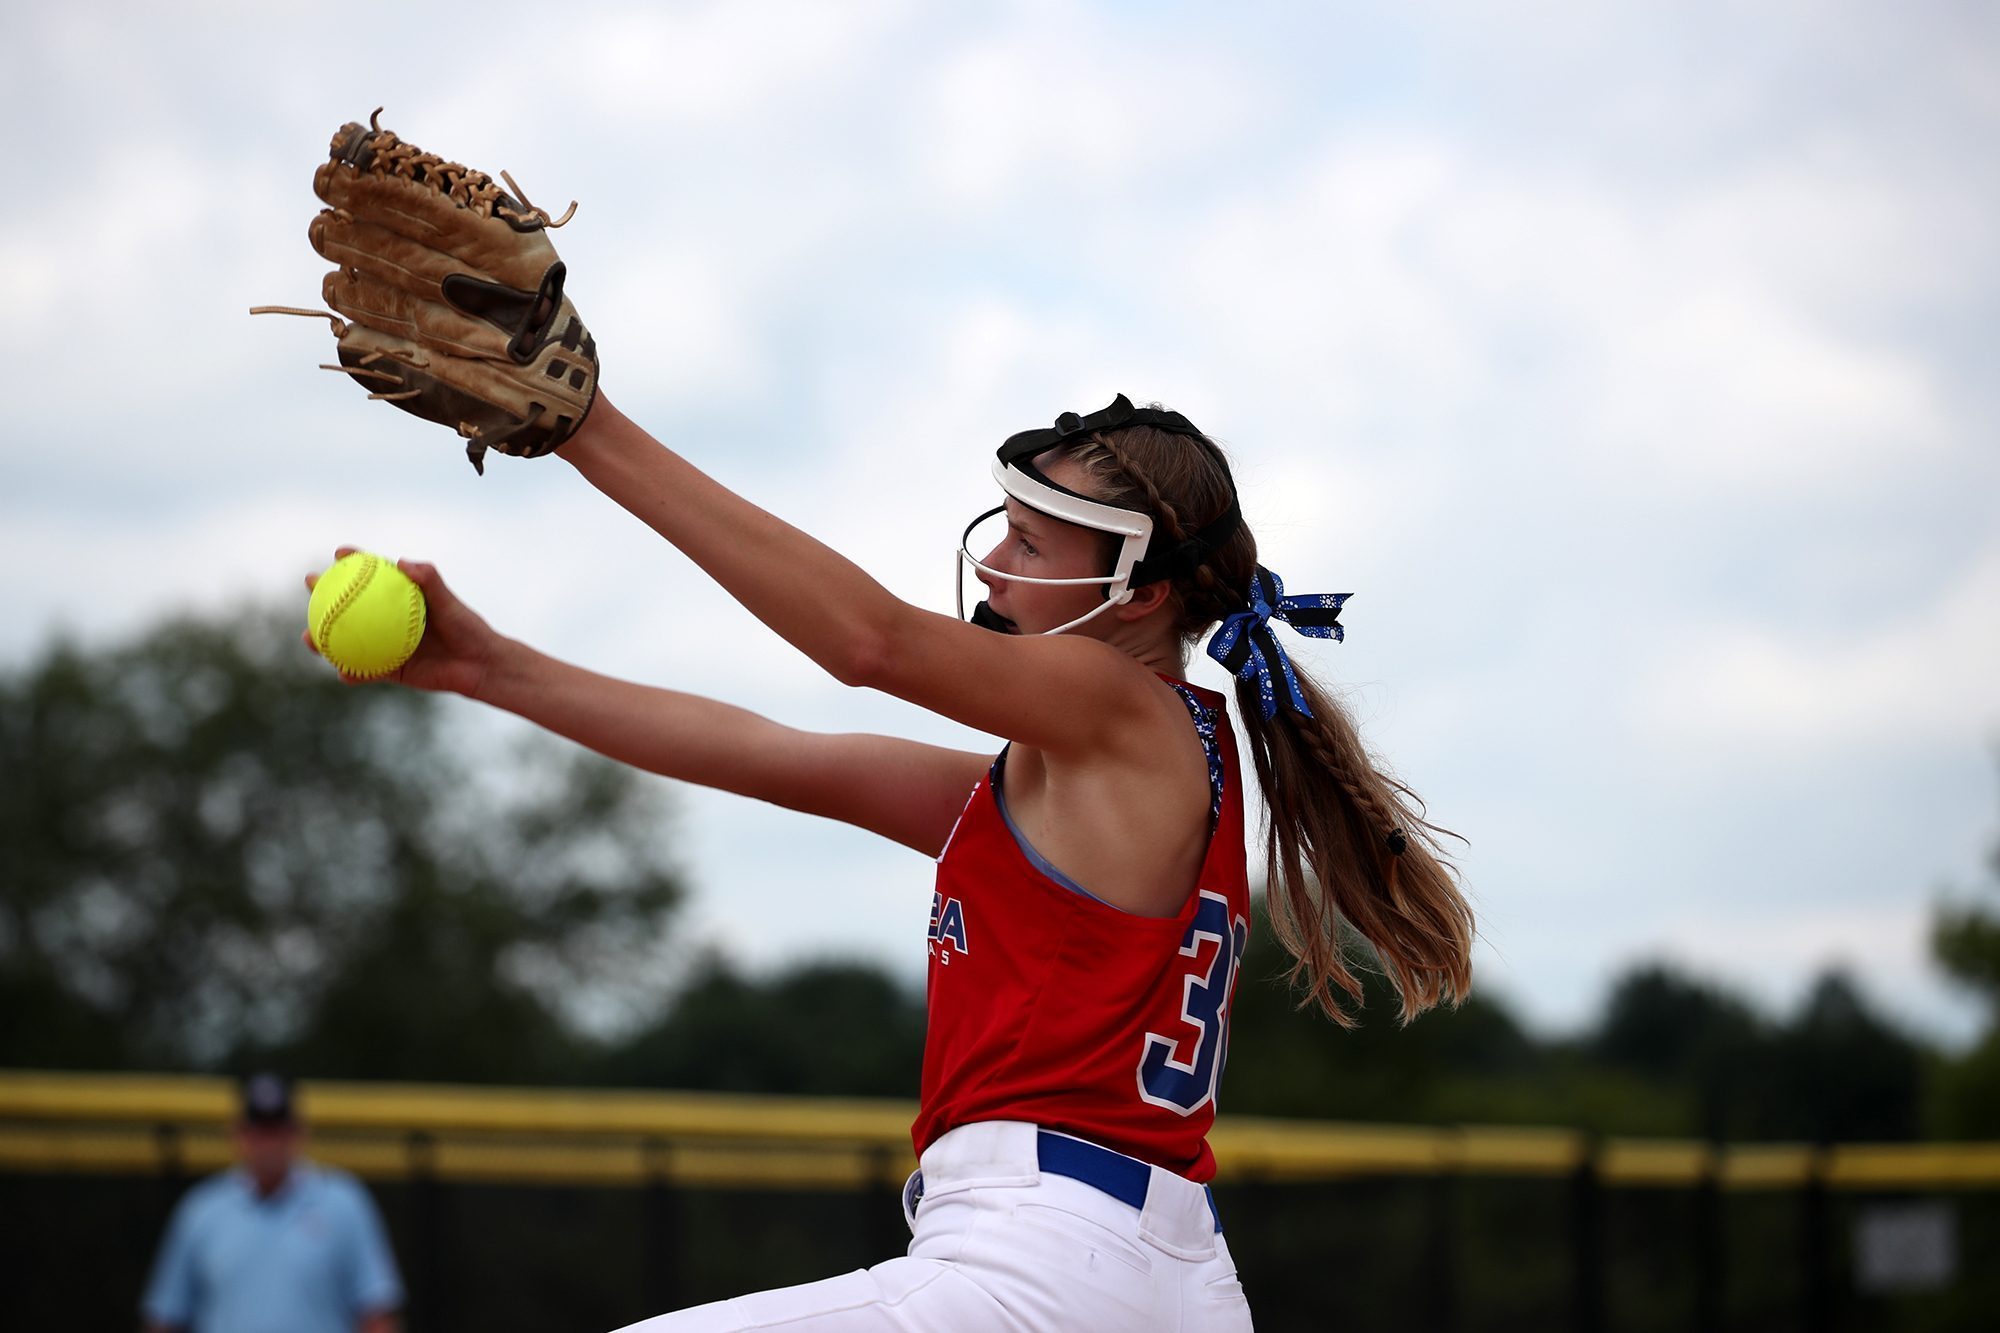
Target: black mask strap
{"points": [[1029, 443], [1187, 555]]}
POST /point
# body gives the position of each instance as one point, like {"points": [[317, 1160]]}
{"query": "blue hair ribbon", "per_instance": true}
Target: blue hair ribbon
{"points": [[1247, 648]]}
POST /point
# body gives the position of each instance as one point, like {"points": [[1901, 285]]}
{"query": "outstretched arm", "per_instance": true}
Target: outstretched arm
{"points": [[821, 602], [1063, 693], [904, 790]]}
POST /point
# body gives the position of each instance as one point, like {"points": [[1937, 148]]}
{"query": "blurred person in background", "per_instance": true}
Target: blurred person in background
{"points": [[278, 1244]]}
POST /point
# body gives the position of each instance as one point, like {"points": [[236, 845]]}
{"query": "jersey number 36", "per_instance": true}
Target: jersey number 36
{"points": [[1187, 1085]]}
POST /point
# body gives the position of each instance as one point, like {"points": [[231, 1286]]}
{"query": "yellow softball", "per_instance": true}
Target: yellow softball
{"points": [[366, 616]]}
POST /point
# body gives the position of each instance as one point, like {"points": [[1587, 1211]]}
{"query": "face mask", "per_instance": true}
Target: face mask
{"points": [[1015, 469]]}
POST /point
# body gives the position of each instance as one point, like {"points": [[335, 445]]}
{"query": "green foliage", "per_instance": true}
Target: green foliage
{"points": [[1568, 1090], [1287, 1061], [1659, 1023], [1965, 942], [1840, 1073], [834, 1028], [1968, 1094], [211, 851], [1671, 1055], [1836, 1071]]}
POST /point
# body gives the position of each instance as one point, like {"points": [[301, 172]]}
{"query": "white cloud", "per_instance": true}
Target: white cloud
{"points": [[1058, 108], [1843, 232], [1401, 287], [713, 63], [685, 325], [1732, 390], [1887, 677]]}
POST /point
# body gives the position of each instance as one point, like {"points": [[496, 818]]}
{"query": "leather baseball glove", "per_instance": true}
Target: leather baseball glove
{"points": [[453, 295]]}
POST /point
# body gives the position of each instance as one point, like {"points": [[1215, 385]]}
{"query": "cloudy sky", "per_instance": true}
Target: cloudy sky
{"points": [[1621, 360]]}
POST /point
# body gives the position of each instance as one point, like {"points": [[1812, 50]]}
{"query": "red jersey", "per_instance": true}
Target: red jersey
{"points": [[1051, 1006]]}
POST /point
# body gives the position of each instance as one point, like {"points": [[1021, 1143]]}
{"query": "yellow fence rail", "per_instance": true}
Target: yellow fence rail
{"points": [[150, 1124]]}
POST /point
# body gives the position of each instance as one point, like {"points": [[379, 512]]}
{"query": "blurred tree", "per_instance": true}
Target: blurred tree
{"points": [[824, 1028], [1671, 1029], [1669, 1055], [1840, 1073], [1291, 1062], [1965, 942], [1837, 1070], [211, 851], [1658, 1022]]}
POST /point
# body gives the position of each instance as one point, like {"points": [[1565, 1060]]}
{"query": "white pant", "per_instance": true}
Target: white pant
{"points": [[1000, 1244]]}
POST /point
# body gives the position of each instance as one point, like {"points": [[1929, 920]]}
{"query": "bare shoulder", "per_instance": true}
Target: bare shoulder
{"points": [[1128, 822]]}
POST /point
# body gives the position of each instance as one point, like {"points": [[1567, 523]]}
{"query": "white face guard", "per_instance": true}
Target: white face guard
{"points": [[1045, 497], [1017, 474]]}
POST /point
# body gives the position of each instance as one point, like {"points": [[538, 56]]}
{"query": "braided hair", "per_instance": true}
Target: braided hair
{"points": [[1346, 844]]}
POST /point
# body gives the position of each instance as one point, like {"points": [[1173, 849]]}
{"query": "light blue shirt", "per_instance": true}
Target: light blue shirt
{"points": [[312, 1258]]}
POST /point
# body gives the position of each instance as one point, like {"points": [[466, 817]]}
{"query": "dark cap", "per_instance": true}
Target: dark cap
{"points": [[267, 1100]]}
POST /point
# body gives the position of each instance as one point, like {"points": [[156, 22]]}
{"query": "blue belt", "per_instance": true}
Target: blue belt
{"points": [[1123, 1178]]}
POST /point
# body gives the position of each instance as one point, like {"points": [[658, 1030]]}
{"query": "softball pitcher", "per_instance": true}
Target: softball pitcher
{"points": [[1090, 905]]}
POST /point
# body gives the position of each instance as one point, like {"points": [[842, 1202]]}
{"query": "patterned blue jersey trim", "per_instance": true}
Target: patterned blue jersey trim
{"points": [[1204, 727]]}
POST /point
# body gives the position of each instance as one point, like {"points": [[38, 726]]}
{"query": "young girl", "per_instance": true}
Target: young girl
{"points": [[1092, 892]]}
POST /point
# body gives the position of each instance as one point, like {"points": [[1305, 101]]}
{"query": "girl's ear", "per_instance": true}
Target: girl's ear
{"points": [[1145, 601]]}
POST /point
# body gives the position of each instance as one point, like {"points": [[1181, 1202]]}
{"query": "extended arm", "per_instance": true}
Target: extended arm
{"points": [[903, 790], [1062, 693]]}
